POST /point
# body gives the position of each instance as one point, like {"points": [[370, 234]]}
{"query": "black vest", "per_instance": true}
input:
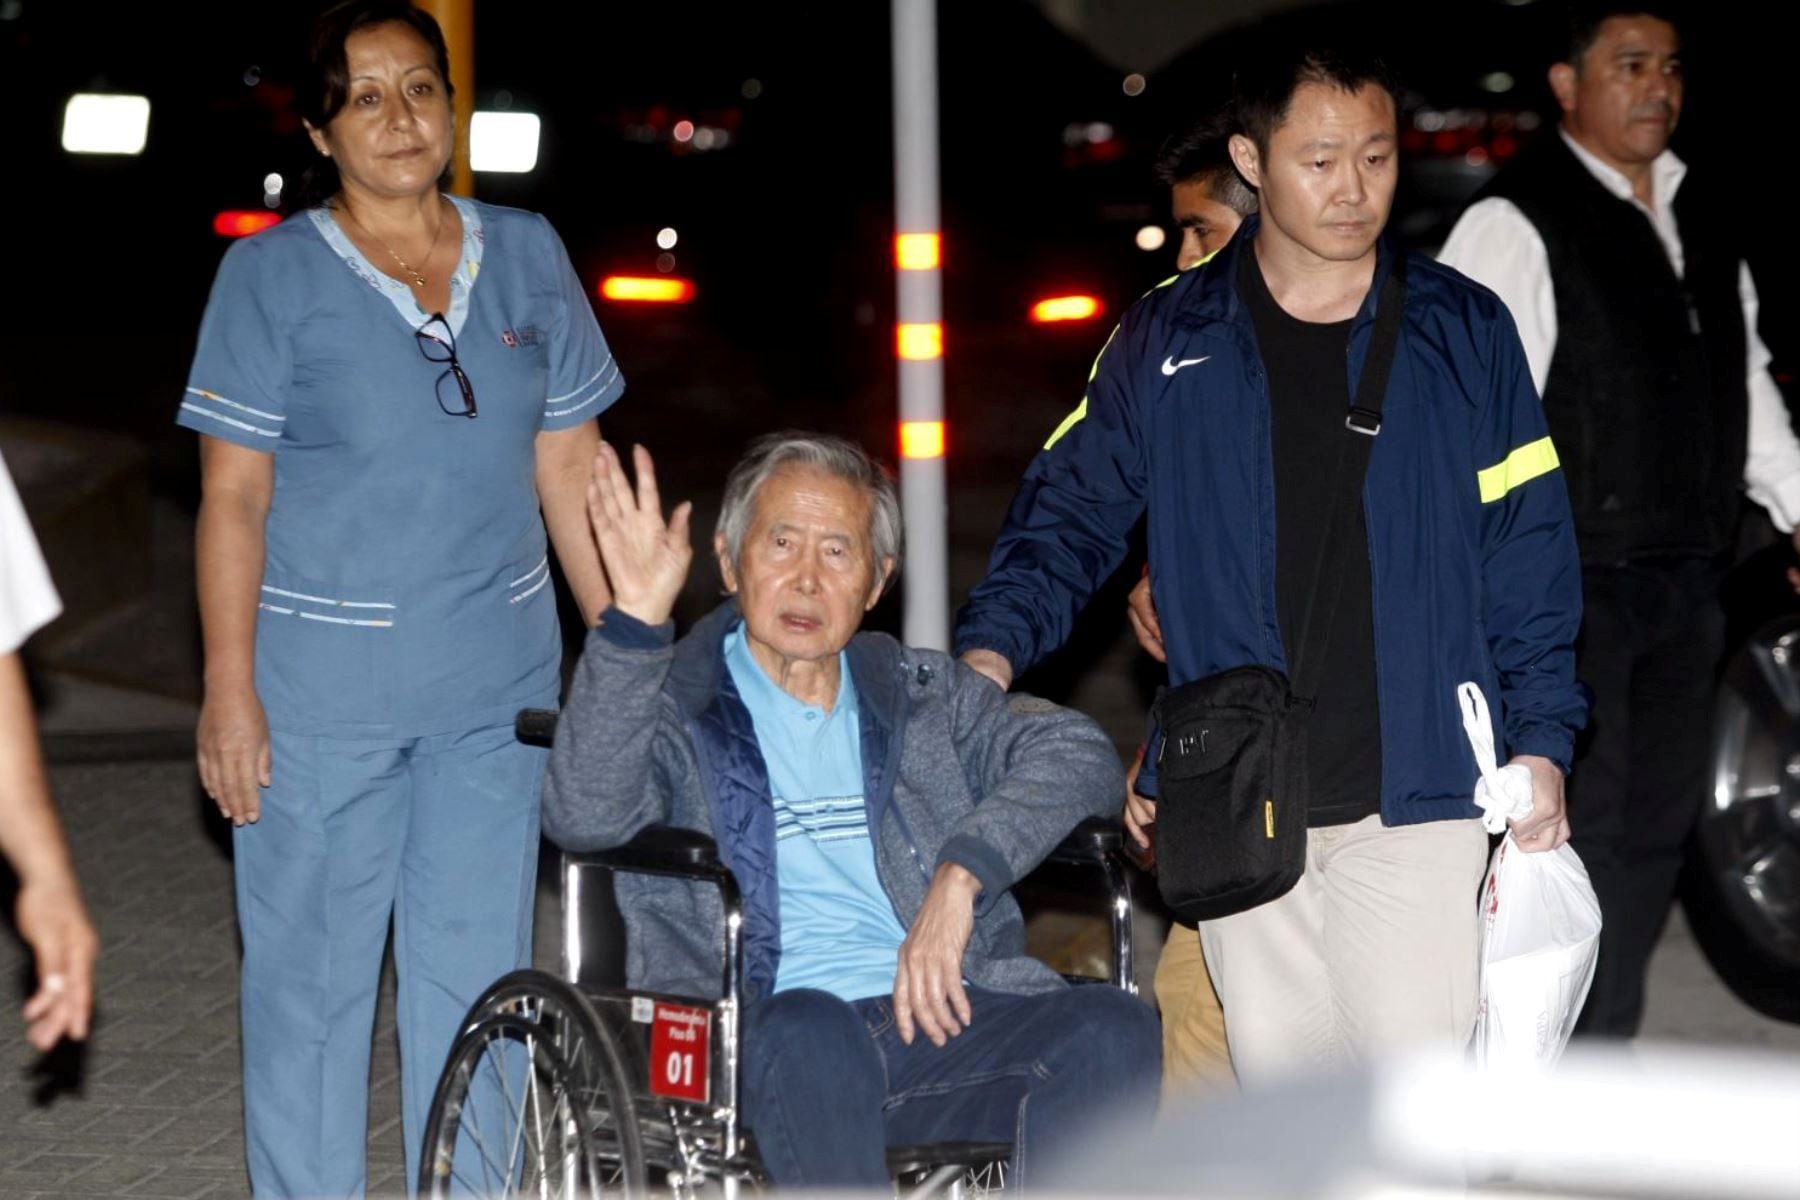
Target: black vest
{"points": [[1646, 397]]}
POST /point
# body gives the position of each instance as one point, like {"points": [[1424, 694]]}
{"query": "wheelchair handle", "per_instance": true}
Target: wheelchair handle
{"points": [[1091, 842], [535, 726]]}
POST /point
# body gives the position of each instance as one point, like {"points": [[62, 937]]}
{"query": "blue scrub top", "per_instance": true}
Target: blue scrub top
{"points": [[404, 586]]}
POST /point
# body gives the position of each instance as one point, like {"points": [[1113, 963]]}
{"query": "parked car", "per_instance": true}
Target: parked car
{"points": [[1741, 887]]}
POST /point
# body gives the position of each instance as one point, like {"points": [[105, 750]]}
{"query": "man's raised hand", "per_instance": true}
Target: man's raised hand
{"points": [[646, 558]]}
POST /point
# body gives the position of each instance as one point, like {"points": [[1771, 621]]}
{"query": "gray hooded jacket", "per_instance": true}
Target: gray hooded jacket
{"points": [[954, 771]]}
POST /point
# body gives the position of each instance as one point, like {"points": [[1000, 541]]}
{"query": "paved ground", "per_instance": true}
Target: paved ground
{"points": [[152, 1107]]}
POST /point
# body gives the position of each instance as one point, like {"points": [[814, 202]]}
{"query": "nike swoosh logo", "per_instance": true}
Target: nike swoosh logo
{"points": [[1170, 366]]}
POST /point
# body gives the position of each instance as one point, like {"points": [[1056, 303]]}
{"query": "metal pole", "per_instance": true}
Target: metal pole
{"points": [[457, 19], [920, 336]]}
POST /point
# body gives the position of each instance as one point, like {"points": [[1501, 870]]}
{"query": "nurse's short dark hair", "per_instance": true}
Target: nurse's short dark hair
{"points": [[324, 85], [822, 452]]}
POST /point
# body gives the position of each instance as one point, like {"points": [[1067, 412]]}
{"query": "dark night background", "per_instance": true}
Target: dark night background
{"points": [[786, 231]]}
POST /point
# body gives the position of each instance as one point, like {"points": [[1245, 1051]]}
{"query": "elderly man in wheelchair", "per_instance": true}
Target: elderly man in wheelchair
{"points": [[874, 803]]}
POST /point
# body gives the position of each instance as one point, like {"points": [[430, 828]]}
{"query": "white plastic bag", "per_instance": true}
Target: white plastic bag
{"points": [[1540, 922]]}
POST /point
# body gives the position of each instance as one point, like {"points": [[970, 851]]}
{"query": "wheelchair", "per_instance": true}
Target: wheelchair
{"points": [[575, 1086]]}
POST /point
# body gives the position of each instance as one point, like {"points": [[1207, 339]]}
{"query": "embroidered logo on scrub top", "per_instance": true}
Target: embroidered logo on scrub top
{"points": [[527, 335]]}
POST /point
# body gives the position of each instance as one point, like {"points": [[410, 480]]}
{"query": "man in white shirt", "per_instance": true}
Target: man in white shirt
{"points": [[51, 916], [1638, 317]]}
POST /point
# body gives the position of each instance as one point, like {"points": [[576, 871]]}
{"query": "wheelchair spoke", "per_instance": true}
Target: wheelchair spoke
{"points": [[534, 1105], [515, 1154], [577, 1058], [471, 1125], [493, 1171], [485, 1189], [499, 1067]]}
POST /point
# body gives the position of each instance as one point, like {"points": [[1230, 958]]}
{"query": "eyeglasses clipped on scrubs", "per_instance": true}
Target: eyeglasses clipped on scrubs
{"points": [[438, 345]]}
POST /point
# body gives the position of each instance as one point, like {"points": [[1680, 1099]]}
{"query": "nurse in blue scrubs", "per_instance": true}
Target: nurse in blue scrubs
{"points": [[396, 394]]}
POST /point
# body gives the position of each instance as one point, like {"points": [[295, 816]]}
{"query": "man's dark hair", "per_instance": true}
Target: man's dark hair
{"points": [[1265, 89], [1203, 155], [1587, 16], [325, 80]]}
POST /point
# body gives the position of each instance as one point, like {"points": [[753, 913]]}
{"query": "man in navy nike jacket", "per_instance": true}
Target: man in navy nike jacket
{"points": [[1214, 410]]}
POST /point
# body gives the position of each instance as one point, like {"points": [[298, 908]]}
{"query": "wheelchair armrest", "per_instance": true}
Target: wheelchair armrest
{"points": [[1092, 842], [659, 850]]}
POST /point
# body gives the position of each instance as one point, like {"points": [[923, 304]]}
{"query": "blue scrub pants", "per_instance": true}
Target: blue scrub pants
{"points": [[439, 832]]}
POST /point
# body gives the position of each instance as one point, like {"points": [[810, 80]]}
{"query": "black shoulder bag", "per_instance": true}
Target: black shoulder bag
{"points": [[1232, 813]]}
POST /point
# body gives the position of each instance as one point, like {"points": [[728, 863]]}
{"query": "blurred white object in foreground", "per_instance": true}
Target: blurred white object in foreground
{"points": [[1646, 1121]]}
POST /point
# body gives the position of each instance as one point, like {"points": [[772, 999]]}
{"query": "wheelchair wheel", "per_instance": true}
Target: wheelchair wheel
{"points": [[533, 1101]]}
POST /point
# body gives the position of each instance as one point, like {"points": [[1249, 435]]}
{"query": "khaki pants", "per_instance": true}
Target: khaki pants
{"points": [[1374, 949], [1195, 1057]]}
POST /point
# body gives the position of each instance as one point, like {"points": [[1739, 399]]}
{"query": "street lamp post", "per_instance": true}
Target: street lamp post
{"points": [[919, 338]]}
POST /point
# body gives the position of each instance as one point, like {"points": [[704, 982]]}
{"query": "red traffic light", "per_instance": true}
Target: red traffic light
{"points": [[242, 222]]}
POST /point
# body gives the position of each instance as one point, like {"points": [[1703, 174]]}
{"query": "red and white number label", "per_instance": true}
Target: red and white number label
{"points": [[680, 1058]]}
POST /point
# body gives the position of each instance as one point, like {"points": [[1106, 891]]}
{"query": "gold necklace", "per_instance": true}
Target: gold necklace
{"points": [[418, 279]]}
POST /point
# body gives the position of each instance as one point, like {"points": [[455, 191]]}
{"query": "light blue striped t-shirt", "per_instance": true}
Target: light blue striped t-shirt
{"points": [[838, 928]]}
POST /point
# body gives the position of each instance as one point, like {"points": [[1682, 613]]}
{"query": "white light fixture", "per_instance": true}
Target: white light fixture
{"points": [[503, 142], [1151, 237], [105, 123], [666, 238]]}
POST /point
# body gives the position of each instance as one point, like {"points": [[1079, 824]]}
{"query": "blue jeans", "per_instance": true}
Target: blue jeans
{"points": [[828, 1085]]}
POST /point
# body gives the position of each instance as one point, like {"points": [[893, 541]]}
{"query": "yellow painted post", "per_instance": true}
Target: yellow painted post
{"points": [[457, 18]]}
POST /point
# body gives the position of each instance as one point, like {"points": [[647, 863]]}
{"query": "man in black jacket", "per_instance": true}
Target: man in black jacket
{"points": [[1628, 284]]}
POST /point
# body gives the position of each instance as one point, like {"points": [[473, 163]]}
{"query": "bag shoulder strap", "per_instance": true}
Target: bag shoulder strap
{"points": [[1363, 425]]}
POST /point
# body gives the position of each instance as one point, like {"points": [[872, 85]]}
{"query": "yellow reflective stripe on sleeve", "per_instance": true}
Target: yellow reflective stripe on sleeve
{"points": [[1068, 423], [1520, 467], [1073, 419], [1095, 369]]}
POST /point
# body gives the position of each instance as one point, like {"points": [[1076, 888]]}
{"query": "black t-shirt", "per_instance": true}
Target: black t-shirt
{"points": [[1309, 393]]}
